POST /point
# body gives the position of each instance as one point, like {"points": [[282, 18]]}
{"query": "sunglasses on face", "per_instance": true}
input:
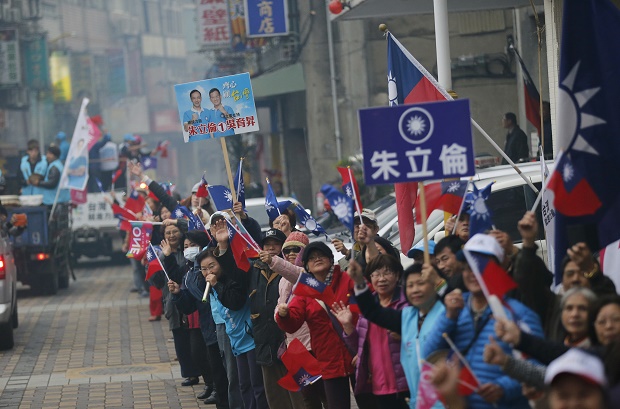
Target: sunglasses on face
{"points": [[290, 250]]}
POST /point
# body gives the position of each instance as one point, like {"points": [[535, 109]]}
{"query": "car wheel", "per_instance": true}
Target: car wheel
{"points": [[15, 317], [6, 336]]}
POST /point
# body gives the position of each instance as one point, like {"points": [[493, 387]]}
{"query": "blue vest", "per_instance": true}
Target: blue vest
{"points": [[411, 345], [50, 194], [40, 168]]}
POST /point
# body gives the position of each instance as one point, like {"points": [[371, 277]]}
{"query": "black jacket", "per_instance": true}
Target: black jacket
{"points": [[516, 145]]}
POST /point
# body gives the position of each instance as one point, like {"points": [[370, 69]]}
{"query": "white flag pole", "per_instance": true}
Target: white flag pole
{"points": [[355, 198]]}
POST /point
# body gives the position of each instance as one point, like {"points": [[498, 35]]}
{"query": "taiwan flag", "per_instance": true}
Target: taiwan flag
{"points": [[479, 214], [341, 205], [135, 202], [349, 185], [221, 196], [252, 247], [149, 162], [124, 216], [238, 247], [308, 286], [303, 369], [588, 124], [447, 196], [240, 184], [202, 188], [532, 97], [154, 264], [408, 83], [493, 279]]}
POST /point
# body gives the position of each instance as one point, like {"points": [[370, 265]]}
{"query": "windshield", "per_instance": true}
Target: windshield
{"points": [[258, 213]]}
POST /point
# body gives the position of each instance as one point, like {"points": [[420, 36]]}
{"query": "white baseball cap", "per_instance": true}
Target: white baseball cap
{"points": [[580, 363], [485, 244], [219, 214]]}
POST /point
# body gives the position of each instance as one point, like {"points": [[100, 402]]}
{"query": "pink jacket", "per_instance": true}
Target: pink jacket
{"points": [[290, 273]]}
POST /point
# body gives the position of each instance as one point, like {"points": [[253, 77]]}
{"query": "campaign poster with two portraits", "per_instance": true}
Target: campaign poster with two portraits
{"points": [[216, 107]]}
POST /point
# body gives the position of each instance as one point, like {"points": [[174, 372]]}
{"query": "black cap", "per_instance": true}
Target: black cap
{"points": [[274, 234], [316, 246], [54, 151]]}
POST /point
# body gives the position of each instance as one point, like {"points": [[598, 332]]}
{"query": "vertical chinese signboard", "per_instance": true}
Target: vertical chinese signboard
{"points": [[35, 63], [266, 18], [213, 23], [10, 70], [60, 72]]}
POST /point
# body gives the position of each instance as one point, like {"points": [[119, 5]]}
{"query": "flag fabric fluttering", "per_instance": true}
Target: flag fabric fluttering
{"points": [[271, 203], [341, 205], [135, 202], [221, 196], [139, 239], [548, 214], [149, 162], [588, 123], [349, 185], [408, 83], [305, 219], [99, 185], [252, 247], [75, 172], [240, 184], [116, 175], [193, 221], [203, 190], [446, 196], [427, 394], [303, 369], [493, 279], [124, 215], [238, 247], [532, 97], [308, 286], [162, 148], [154, 264], [468, 384], [479, 214]]}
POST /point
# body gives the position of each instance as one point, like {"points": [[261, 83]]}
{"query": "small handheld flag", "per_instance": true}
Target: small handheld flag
{"points": [[341, 205], [479, 213], [271, 203], [308, 286]]}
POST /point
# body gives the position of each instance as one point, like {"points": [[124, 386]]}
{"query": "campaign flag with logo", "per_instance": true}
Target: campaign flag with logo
{"points": [[427, 394], [479, 214], [203, 190], [341, 205], [532, 97], [548, 214], [349, 185], [308, 286], [75, 172], [221, 196], [135, 202], [139, 239], [303, 369], [271, 203], [584, 181], [240, 184], [149, 162], [305, 219], [446, 196]]}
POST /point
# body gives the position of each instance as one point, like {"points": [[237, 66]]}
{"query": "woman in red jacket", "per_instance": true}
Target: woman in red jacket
{"points": [[325, 330]]}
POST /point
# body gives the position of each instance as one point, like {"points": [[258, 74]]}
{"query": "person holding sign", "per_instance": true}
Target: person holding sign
{"points": [[196, 115], [220, 114]]}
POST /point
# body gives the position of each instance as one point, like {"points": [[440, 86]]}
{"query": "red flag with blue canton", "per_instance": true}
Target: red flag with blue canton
{"points": [[202, 188], [588, 123], [532, 97], [238, 246], [251, 245], [494, 278], [479, 214], [135, 202], [308, 286], [302, 368], [124, 216], [349, 185], [154, 264], [408, 83], [447, 196]]}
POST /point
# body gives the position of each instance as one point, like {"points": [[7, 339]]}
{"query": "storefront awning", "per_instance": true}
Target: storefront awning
{"points": [[283, 81]]}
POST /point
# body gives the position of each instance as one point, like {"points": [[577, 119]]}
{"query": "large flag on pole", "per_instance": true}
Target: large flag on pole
{"points": [[75, 172], [532, 97], [408, 83], [588, 124]]}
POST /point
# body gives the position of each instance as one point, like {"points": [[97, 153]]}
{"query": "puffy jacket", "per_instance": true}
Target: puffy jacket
{"points": [[357, 340], [329, 348], [462, 332], [26, 168]]}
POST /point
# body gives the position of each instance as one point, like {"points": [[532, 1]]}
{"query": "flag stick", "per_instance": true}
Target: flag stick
{"points": [[274, 195], [228, 172], [355, 198], [458, 215], [204, 295], [460, 356], [537, 201], [162, 266], [246, 240], [239, 181], [427, 257], [141, 221]]}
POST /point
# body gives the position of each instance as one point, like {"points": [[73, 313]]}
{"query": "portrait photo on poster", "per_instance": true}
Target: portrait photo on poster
{"points": [[216, 107]]}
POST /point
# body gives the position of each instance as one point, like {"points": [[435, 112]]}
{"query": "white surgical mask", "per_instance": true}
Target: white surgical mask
{"points": [[190, 253]]}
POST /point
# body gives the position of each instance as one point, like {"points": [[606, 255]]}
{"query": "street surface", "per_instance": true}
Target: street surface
{"points": [[92, 346]]}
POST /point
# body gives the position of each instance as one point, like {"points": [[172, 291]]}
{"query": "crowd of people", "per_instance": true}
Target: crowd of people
{"points": [[391, 337]]}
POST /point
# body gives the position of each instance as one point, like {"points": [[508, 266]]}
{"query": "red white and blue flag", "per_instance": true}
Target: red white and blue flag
{"points": [[308, 286], [584, 182], [162, 148], [139, 239], [446, 196], [252, 247], [408, 83], [238, 247], [493, 279], [302, 368], [124, 216], [532, 97], [154, 264], [221, 196], [202, 188], [479, 214], [149, 162], [349, 185], [135, 202]]}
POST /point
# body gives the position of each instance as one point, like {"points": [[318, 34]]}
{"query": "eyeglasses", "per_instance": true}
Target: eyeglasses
{"points": [[317, 256], [602, 322], [210, 267], [290, 250], [379, 274]]}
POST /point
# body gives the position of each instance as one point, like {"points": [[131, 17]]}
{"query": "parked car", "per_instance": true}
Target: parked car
{"points": [[8, 293], [255, 208]]}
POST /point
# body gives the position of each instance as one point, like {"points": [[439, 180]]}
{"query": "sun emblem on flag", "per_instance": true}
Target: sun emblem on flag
{"points": [[304, 380], [269, 206], [147, 162], [479, 208], [568, 172], [341, 209], [454, 186], [228, 196], [312, 282], [574, 120], [392, 90], [178, 213], [348, 191]]}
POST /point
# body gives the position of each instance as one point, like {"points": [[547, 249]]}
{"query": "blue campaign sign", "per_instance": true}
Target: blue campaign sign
{"points": [[406, 143], [216, 107], [266, 18]]}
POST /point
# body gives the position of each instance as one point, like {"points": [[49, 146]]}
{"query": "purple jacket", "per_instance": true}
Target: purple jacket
{"points": [[357, 340]]}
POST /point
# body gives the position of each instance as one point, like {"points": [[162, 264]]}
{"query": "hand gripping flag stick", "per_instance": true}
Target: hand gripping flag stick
{"points": [[159, 261], [204, 295]]}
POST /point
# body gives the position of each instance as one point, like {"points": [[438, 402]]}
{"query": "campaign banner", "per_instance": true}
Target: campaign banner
{"points": [[418, 142], [75, 171], [216, 107], [266, 18]]}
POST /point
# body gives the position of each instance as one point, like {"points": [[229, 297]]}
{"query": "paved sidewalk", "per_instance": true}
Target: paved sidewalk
{"points": [[92, 346]]}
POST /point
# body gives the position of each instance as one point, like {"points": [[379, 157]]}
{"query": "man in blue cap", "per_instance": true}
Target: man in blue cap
{"points": [[63, 145], [417, 252]]}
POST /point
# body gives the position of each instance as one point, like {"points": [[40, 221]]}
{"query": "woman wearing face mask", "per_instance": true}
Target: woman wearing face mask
{"points": [[185, 328]]}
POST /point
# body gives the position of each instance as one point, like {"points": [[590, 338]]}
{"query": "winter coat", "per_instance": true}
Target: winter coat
{"points": [[357, 340], [462, 332], [174, 265], [327, 345]]}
